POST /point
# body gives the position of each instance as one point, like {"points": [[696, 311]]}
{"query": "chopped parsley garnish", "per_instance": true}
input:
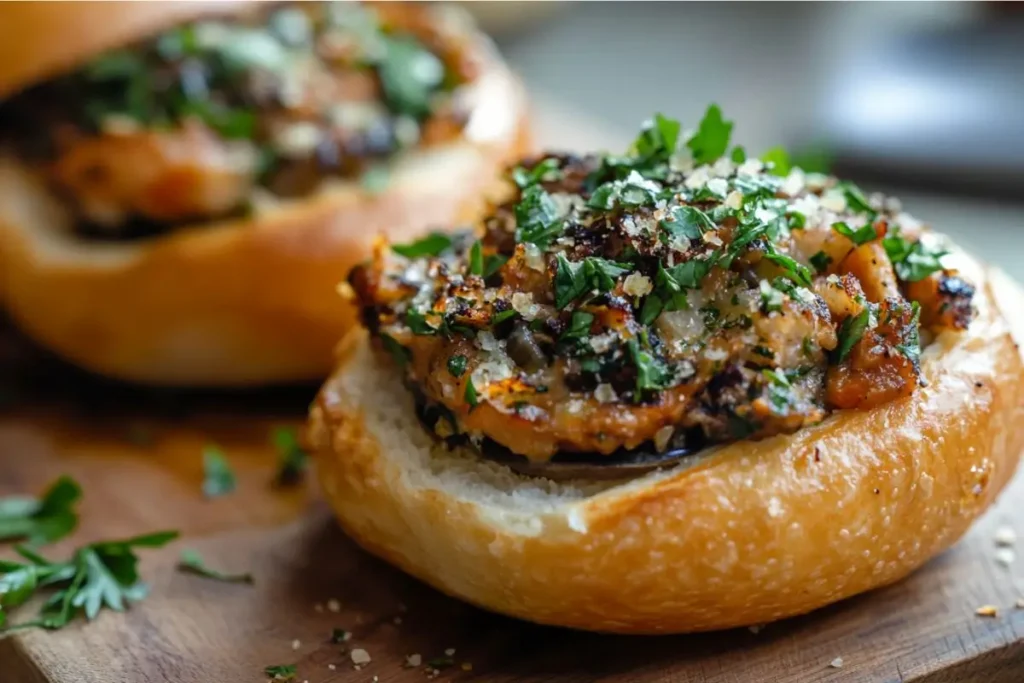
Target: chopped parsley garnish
{"points": [[574, 279], [502, 316], [739, 155], [771, 298], [579, 326], [850, 332], [796, 220], [192, 562], [821, 261], [401, 354], [779, 162], [476, 259], [649, 312], [281, 672], [546, 170], [457, 365], [41, 520], [291, 456], [417, 322], [97, 576], [432, 245], [537, 218], [651, 373], [861, 235], [795, 271], [218, 477], [712, 137], [493, 263], [633, 192], [855, 199], [470, 394], [913, 261], [658, 139], [409, 75], [686, 221], [911, 345]]}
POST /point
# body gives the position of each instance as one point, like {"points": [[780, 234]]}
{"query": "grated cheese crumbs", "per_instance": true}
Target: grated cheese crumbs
{"points": [[719, 186], [414, 660], [833, 201], [750, 167], [734, 200], [605, 394], [360, 656], [836, 663], [636, 284], [1005, 556], [1005, 535]]}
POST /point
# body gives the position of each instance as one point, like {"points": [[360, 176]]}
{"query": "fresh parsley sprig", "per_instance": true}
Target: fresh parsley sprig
{"points": [[574, 279], [42, 520], [712, 137], [97, 576], [192, 562], [291, 456]]}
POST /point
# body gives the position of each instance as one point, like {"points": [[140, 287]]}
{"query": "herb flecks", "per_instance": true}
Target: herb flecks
{"points": [[292, 459], [218, 477], [192, 562]]}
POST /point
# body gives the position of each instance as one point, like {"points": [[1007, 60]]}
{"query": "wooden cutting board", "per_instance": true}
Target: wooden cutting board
{"points": [[137, 454]]}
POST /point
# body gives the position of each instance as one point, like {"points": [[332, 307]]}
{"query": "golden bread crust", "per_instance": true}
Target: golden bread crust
{"points": [[42, 39], [241, 302], [754, 532]]}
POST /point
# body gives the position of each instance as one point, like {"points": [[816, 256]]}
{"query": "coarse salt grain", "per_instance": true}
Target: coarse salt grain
{"points": [[533, 257], [1005, 535], [636, 284], [360, 656], [522, 303], [605, 394], [836, 663], [1005, 556], [296, 644]]}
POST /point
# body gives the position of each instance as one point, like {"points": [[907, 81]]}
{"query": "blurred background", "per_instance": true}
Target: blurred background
{"points": [[922, 99]]}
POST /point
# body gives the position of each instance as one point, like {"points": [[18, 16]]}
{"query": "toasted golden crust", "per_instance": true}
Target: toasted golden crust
{"points": [[248, 301], [42, 39], [752, 532]]}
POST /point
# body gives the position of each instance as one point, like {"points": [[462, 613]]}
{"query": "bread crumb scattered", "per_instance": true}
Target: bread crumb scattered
{"points": [[836, 663], [450, 651], [360, 656], [1005, 556], [987, 611], [1005, 535], [333, 606], [413, 661], [296, 644]]}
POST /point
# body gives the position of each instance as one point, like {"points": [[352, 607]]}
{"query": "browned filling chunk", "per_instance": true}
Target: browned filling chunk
{"points": [[670, 296]]}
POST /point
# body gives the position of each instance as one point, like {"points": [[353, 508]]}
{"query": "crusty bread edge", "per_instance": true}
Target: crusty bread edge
{"points": [[753, 533], [244, 302]]}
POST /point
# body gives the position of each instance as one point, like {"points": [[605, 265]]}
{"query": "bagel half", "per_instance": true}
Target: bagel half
{"points": [[747, 533], [233, 302]]}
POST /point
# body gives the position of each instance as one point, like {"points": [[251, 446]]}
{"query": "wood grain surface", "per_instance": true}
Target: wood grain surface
{"points": [[137, 454]]}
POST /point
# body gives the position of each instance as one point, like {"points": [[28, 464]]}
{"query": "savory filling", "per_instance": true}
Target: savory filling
{"points": [[676, 296], [197, 122]]}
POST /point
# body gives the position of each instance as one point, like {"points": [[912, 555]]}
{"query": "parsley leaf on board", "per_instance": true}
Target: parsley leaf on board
{"points": [[218, 477], [537, 218], [281, 672], [100, 575], [712, 137], [432, 245], [192, 562], [291, 456], [42, 520], [850, 332]]}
